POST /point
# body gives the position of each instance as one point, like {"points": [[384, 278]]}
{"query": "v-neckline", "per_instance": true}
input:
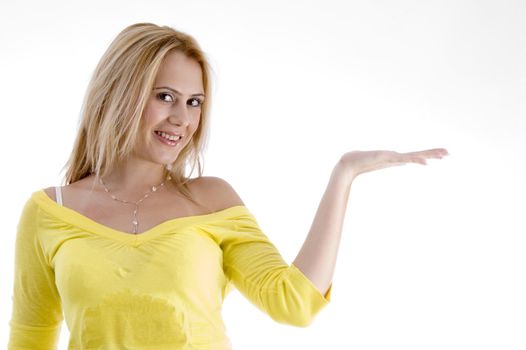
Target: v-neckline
{"points": [[77, 219]]}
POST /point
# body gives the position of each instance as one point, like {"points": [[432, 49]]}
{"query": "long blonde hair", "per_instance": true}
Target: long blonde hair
{"points": [[117, 95]]}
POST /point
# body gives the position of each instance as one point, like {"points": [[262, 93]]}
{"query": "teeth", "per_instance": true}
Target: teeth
{"points": [[168, 137]]}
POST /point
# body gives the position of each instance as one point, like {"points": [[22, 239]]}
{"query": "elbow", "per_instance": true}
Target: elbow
{"points": [[302, 322], [294, 300], [296, 319], [300, 316]]}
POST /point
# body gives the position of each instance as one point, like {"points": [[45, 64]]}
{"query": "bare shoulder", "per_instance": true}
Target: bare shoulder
{"points": [[81, 184], [50, 191], [216, 191]]}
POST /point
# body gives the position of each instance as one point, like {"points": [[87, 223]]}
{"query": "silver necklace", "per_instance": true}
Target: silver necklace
{"points": [[135, 220]]}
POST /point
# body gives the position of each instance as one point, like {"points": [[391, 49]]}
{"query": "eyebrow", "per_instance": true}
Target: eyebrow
{"points": [[177, 92]]}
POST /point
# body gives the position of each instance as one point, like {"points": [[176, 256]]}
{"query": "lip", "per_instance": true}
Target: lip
{"points": [[168, 142], [171, 133]]}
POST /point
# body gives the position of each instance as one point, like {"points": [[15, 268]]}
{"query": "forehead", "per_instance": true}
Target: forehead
{"points": [[180, 72]]}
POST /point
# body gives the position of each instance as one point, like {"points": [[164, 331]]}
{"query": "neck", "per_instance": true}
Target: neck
{"points": [[135, 176]]}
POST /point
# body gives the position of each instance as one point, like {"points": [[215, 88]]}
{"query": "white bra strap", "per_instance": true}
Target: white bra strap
{"points": [[58, 194]]}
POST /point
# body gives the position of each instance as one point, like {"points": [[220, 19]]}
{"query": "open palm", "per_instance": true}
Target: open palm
{"points": [[359, 162]]}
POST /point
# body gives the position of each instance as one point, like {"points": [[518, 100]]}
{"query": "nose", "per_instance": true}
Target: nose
{"points": [[179, 117]]}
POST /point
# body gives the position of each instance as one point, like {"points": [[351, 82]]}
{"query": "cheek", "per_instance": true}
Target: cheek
{"points": [[197, 119], [196, 123], [150, 118]]}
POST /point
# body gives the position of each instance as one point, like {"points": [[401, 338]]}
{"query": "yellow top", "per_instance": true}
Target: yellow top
{"points": [[160, 289]]}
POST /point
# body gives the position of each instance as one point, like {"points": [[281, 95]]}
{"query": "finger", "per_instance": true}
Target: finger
{"points": [[436, 153], [411, 157]]}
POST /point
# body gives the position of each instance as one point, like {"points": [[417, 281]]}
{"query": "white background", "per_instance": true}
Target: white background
{"points": [[431, 257]]}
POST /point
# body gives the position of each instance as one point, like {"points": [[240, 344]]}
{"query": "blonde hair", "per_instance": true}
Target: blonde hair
{"points": [[117, 95]]}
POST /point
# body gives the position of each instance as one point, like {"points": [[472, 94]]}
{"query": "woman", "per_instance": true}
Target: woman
{"points": [[135, 253]]}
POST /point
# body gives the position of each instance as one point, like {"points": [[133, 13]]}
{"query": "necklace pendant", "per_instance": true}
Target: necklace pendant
{"points": [[135, 221]]}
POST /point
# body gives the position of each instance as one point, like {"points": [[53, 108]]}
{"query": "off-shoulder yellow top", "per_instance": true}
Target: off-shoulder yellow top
{"points": [[160, 289]]}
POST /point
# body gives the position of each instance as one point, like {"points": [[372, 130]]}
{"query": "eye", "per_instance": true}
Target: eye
{"points": [[195, 102], [163, 96]]}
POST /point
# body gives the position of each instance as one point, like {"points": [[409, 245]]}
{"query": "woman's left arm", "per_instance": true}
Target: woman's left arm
{"points": [[317, 257]]}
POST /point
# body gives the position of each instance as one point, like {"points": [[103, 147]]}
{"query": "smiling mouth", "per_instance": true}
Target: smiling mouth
{"points": [[171, 140], [168, 136]]}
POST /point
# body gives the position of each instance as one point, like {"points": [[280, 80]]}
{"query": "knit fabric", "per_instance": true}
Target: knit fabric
{"points": [[160, 289]]}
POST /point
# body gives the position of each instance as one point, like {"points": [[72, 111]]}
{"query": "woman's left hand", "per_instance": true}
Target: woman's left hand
{"points": [[358, 162]]}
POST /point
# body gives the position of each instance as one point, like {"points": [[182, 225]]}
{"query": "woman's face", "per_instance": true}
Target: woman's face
{"points": [[173, 108]]}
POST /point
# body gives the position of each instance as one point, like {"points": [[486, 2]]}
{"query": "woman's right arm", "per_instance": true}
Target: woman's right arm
{"points": [[36, 317]]}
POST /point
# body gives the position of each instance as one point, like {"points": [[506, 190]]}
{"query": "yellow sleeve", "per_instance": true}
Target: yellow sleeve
{"points": [[36, 312], [256, 268]]}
